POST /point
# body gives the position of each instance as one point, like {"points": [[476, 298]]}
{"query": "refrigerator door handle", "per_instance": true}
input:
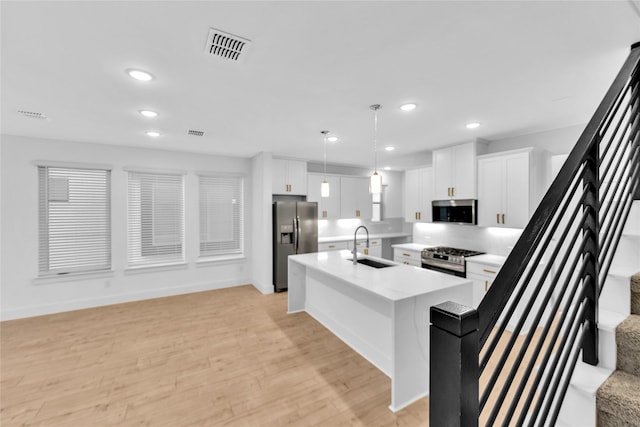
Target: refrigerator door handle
{"points": [[295, 236], [297, 233]]}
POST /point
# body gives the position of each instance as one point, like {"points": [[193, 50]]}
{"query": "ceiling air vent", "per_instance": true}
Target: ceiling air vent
{"points": [[32, 115], [226, 46], [195, 132]]}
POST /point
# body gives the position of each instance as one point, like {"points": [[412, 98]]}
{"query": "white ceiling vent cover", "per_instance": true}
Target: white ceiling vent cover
{"points": [[226, 46]]}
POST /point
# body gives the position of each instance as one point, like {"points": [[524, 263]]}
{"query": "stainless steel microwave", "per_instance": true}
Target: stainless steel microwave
{"points": [[455, 211]]}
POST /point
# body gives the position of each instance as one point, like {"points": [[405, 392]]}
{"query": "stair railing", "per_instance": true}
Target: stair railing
{"points": [[509, 362]]}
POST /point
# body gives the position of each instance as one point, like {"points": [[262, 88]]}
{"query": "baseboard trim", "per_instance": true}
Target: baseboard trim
{"points": [[41, 310]]}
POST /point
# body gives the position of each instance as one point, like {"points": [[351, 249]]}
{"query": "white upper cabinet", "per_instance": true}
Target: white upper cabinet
{"points": [[328, 207], [510, 186], [355, 199], [454, 171], [418, 189], [289, 177]]}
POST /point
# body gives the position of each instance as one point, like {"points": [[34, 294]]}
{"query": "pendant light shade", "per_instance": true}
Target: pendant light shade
{"points": [[324, 187], [375, 186]]}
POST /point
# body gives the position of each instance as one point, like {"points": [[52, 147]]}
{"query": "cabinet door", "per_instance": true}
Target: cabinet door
{"points": [[442, 173], [279, 173], [355, 199], [490, 184], [464, 172], [297, 177], [412, 190], [330, 206], [426, 194], [516, 190]]}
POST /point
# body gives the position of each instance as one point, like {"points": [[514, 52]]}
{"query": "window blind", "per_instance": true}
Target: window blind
{"points": [[74, 220], [221, 216], [155, 219]]}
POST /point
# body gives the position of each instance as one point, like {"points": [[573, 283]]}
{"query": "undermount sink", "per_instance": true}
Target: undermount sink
{"points": [[372, 263]]}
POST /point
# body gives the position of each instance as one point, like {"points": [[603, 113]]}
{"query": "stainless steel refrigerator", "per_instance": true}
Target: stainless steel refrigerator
{"points": [[295, 231]]}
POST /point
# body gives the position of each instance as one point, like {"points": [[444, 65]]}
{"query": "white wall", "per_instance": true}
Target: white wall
{"points": [[23, 295], [557, 141], [262, 228]]}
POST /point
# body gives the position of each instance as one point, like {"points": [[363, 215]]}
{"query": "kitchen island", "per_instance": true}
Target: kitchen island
{"points": [[382, 313]]}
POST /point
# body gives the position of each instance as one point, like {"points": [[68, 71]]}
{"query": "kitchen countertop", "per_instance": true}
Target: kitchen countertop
{"points": [[411, 246], [487, 259], [361, 236], [393, 283]]}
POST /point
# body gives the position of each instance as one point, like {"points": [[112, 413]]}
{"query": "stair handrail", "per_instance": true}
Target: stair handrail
{"points": [[459, 333]]}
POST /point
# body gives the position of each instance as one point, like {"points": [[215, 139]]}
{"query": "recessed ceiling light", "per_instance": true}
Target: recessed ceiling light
{"points": [[332, 138], [153, 133], [140, 75], [472, 125], [389, 148], [148, 113], [387, 168], [408, 107]]}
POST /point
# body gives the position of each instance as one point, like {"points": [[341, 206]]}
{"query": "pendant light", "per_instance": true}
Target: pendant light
{"points": [[375, 187], [324, 187]]}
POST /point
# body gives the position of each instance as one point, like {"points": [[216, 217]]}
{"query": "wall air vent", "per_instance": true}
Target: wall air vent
{"points": [[226, 46], [195, 132], [32, 115]]}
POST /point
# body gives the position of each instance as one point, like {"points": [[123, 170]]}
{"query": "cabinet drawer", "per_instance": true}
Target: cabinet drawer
{"points": [[407, 257], [486, 271], [331, 246]]}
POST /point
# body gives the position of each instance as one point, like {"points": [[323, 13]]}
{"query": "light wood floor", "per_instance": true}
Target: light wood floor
{"points": [[227, 357]]}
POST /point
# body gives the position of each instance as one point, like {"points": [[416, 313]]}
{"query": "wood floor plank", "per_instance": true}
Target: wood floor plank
{"points": [[230, 357]]}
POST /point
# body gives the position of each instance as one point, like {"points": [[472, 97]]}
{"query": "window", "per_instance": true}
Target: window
{"points": [[221, 216], [74, 220], [155, 219]]}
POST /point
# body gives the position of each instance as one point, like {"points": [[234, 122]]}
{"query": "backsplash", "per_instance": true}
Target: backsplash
{"points": [[341, 227], [493, 240]]}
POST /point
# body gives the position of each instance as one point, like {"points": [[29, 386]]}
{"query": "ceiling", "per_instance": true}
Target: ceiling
{"points": [[515, 67]]}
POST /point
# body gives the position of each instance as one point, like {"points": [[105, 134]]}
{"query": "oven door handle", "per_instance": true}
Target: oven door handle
{"points": [[442, 264]]}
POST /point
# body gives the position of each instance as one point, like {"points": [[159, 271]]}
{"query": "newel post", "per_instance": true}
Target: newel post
{"points": [[453, 366]]}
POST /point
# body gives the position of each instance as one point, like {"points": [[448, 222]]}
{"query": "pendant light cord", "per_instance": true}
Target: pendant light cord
{"points": [[375, 108]]}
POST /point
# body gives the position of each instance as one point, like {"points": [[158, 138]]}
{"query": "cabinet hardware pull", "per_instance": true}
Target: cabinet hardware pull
{"points": [[488, 271], [332, 246], [420, 216], [416, 214], [453, 191], [357, 213], [405, 254], [324, 214], [374, 242], [497, 218], [486, 285], [366, 251], [503, 218], [449, 191]]}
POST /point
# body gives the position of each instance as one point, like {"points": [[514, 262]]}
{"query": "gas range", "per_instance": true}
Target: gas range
{"points": [[447, 260]]}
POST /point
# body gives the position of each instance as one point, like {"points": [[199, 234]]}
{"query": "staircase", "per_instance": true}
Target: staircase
{"points": [[618, 399], [608, 395]]}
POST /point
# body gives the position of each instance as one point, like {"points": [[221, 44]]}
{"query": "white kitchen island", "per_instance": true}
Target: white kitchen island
{"points": [[383, 314]]}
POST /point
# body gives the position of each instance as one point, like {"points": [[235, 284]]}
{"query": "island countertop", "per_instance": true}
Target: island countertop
{"points": [[393, 283]]}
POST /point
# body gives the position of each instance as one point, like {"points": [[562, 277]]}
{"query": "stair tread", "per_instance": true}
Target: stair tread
{"points": [[609, 320], [619, 396], [588, 379], [626, 272]]}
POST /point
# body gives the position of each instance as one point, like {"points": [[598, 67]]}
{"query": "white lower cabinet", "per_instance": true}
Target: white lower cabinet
{"points": [[407, 257], [332, 246], [482, 276], [375, 247]]}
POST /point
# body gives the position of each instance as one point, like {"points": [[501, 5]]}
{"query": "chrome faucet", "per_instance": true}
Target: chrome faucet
{"points": [[355, 251]]}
